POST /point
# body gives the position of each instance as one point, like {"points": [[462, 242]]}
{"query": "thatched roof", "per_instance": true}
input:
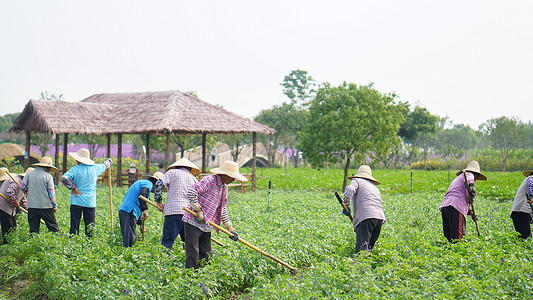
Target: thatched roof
{"points": [[150, 112], [14, 150]]}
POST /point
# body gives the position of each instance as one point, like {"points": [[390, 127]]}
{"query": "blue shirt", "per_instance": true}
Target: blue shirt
{"points": [[84, 177], [131, 200]]}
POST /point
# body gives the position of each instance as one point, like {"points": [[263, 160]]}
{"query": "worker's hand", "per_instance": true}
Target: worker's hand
{"points": [[469, 212], [144, 215], [54, 209], [235, 236], [75, 192], [160, 206], [110, 161], [347, 212], [15, 204], [200, 216]]}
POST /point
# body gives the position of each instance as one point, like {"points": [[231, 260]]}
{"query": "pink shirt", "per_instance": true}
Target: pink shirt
{"points": [[457, 194]]}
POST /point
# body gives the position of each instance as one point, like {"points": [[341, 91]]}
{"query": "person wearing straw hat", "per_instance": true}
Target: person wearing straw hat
{"points": [[208, 198], [456, 203], [133, 210], [178, 179], [41, 199], [3, 175], [81, 180], [11, 198], [522, 210], [367, 207]]}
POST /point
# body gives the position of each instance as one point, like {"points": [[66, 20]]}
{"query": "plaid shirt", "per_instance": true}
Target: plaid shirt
{"points": [[212, 195], [178, 182]]}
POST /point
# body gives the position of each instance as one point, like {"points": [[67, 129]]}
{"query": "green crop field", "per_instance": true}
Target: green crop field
{"points": [[301, 224]]}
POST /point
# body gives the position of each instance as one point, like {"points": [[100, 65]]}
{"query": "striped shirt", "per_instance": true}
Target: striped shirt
{"points": [[457, 194], [178, 182], [212, 195]]}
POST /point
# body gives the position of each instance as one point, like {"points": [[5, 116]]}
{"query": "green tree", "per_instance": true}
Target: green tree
{"points": [[235, 143], [505, 135], [299, 87], [93, 141], [419, 122], [44, 139], [347, 122]]}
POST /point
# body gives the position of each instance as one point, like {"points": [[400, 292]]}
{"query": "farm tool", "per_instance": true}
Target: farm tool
{"points": [[21, 208], [471, 200], [293, 269], [110, 196], [155, 205], [343, 206]]}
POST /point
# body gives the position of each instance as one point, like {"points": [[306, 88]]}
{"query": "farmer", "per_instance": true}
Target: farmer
{"points": [[133, 174], [11, 198], [81, 180], [132, 207], [208, 198], [178, 179], [41, 199], [367, 206], [455, 206], [522, 212]]}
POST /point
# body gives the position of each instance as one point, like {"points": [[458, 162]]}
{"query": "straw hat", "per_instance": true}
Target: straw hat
{"points": [[473, 167], [528, 173], [184, 162], [82, 156], [26, 172], [46, 162], [3, 174], [157, 175], [231, 169], [365, 172]]}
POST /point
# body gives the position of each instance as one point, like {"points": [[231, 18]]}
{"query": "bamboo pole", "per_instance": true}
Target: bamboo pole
{"points": [[20, 207], [110, 196], [155, 205], [343, 206], [293, 269]]}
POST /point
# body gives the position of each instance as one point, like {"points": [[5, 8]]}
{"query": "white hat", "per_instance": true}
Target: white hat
{"points": [[184, 162], [26, 172], [3, 174], [473, 167], [132, 165], [231, 169], [157, 175], [46, 162], [365, 172], [82, 156]]}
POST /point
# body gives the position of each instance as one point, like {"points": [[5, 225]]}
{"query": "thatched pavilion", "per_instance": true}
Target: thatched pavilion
{"points": [[159, 113]]}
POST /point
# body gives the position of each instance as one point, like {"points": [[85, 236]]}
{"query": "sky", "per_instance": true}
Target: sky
{"points": [[468, 60]]}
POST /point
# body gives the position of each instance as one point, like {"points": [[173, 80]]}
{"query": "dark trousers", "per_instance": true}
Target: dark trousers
{"points": [[128, 224], [8, 223], [46, 214], [522, 223], [453, 223], [89, 214], [172, 226], [197, 245], [367, 233]]}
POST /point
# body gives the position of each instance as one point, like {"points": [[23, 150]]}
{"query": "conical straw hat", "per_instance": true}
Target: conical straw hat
{"points": [[231, 169], [3, 174], [157, 175], [365, 172], [82, 156], [26, 172], [473, 167], [528, 173], [184, 162], [46, 162]]}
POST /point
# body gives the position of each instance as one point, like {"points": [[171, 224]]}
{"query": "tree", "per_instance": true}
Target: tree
{"points": [[43, 140], [299, 87], [235, 143], [418, 122], [93, 141], [505, 135], [347, 122]]}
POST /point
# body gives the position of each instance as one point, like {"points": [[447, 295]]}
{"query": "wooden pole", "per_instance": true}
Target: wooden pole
{"points": [[254, 159], [343, 206], [293, 269], [148, 154], [167, 150], [27, 150], [20, 207], [110, 196], [119, 160], [65, 152], [56, 162], [204, 152]]}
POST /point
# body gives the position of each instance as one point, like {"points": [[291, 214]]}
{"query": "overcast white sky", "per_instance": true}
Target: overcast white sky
{"points": [[469, 60]]}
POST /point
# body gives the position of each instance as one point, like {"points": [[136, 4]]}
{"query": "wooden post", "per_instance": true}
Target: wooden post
{"points": [[56, 162], [167, 150], [108, 155], [254, 158], [27, 150], [119, 159], [148, 155], [204, 152], [65, 152]]}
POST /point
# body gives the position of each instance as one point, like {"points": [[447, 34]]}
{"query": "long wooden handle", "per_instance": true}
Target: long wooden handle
{"points": [[293, 269], [343, 206], [20, 207], [110, 196], [471, 200]]}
